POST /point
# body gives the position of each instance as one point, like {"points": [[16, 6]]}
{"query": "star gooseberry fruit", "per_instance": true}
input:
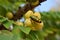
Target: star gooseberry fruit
{"points": [[28, 14], [9, 15], [37, 14], [39, 26], [28, 22], [36, 26], [19, 23]]}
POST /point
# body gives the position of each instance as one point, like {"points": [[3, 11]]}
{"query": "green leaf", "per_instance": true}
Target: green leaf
{"points": [[39, 35], [25, 29], [36, 35], [7, 24], [16, 30], [2, 19], [5, 35], [33, 36]]}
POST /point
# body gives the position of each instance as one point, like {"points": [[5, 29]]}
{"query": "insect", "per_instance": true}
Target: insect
{"points": [[34, 18]]}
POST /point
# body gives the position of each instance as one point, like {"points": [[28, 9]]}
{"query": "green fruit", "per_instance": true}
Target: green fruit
{"points": [[9, 15]]}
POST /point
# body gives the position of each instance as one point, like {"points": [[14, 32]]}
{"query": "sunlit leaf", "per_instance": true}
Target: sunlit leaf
{"points": [[2, 19], [25, 29], [7, 24]]}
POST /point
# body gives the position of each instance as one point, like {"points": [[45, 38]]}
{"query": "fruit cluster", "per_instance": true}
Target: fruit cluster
{"points": [[33, 20]]}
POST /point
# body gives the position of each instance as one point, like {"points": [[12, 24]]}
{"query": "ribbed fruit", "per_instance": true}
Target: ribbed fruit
{"points": [[19, 23], [37, 14], [37, 26], [28, 22], [28, 14]]}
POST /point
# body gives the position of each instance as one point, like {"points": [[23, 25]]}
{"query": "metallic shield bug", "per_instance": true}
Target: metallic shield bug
{"points": [[34, 18]]}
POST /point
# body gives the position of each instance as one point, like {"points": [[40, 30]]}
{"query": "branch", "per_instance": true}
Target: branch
{"points": [[23, 10]]}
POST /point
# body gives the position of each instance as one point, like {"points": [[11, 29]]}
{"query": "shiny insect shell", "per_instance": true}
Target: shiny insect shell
{"points": [[34, 18]]}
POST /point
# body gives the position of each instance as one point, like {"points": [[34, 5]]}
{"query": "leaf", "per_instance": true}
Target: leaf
{"points": [[7, 24], [16, 30], [35, 35], [25, 29], [6, 35], [39, 35], [2, 19], [32, 36]]}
